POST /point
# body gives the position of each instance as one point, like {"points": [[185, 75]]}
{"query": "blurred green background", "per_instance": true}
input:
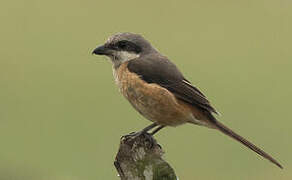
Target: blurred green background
{"points": [[61, 115]]}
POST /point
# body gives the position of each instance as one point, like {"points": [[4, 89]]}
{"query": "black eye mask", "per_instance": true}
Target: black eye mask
{"points": [[126, 46]]}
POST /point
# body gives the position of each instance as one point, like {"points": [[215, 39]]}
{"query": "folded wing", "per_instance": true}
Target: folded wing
{"points": [[159, 70]]}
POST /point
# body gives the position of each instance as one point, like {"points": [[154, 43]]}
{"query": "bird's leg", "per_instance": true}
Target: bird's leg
{"points": [[143, 131], [146, 129], [156, 130]]}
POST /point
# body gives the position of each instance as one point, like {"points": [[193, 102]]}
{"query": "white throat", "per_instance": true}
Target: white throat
{"points": [[123, 56]]}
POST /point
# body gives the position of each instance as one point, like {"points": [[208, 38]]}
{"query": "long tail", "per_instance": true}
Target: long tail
{"points": [[245, 142]]}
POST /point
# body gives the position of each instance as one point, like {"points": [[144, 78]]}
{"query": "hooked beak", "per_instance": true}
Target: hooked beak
{"points": [[101, 50]]}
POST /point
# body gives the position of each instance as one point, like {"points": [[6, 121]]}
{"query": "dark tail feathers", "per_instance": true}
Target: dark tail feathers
{"points": [[245, 142]]}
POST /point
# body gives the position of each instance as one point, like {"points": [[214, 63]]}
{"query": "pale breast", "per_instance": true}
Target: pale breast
{"points": [[151, 100]]}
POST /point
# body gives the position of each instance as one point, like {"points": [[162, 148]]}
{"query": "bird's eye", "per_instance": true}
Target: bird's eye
{"points": [[125, 45], [122, 45]]}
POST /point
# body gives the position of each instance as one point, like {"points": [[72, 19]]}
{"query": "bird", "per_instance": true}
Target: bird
{"points": [[157, 89]]}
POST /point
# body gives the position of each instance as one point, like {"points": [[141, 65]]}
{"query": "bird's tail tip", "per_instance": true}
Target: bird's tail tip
{"points": [[221, 127]]}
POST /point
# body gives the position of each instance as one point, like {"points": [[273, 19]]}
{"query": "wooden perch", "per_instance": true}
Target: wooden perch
{"points": [[140, 158]]}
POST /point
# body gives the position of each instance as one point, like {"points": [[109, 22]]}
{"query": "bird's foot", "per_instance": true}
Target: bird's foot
{"points": [[141, 134], [131, 135]]}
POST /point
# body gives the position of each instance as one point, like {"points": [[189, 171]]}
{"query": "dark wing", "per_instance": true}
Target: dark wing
{"points": [[159, 70]]}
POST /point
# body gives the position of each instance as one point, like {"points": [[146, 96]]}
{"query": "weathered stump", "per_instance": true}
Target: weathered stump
{"points": [[140, 158]]}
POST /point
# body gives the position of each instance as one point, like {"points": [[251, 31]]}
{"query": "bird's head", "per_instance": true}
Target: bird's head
{"points": [[123, 47]]}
